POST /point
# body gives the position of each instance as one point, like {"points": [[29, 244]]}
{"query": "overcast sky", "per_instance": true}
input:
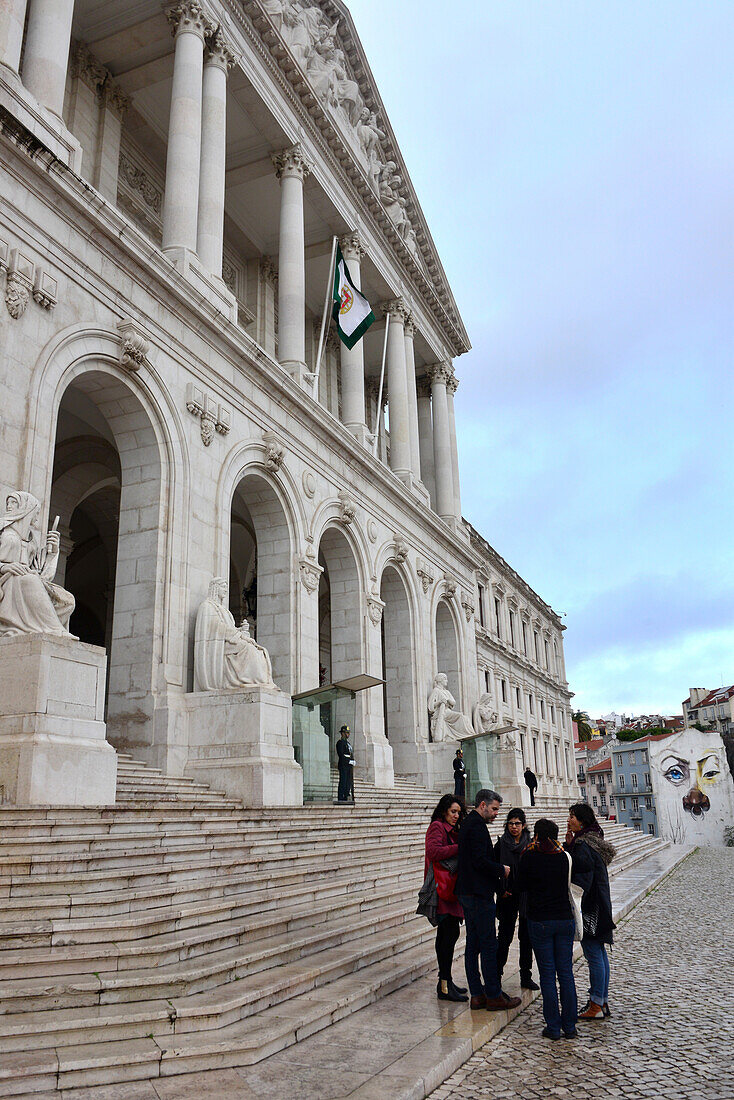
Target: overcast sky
{"points": [[575, 162]]}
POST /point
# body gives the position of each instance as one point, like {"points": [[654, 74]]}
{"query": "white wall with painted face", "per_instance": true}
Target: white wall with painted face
{"points": [[693, 787]]}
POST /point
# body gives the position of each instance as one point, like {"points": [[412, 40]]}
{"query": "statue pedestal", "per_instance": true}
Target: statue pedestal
{"points": [[436, 765], [53, 750], [509, 781], [240, 743]]}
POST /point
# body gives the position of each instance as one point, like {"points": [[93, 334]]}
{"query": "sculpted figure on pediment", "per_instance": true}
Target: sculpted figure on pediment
{"points": [[299, 23], [394, 203], [369, 136], [329, 77]]}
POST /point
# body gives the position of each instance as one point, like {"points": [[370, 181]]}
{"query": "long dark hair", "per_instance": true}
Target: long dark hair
{"points": [[444, 803], [583, 812]]}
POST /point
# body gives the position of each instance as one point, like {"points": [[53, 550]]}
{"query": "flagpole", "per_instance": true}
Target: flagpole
{"points": [[329, 285], [378, 414]]}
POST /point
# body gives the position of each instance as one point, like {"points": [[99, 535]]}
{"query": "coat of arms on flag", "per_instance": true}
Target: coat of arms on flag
{"points": [[351, 310]]}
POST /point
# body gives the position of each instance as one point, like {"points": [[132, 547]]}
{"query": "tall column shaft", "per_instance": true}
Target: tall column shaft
{"points": [[352, 359], [181, 202], [415, 454], [397, 384], [444, 473], [451, 389], [291, 168], [12, 21], [210, 235], [46, 57], [425, 438]]}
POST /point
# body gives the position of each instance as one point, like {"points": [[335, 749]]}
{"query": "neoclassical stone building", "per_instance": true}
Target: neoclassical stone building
{"points": [[171, 179]]}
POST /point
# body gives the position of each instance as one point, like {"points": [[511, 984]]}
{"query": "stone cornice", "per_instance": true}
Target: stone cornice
{"points": [[502, 567], [120, 240], [519, 662], [434, 292]]}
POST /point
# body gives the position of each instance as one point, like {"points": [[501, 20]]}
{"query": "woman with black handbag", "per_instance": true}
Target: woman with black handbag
{"points": [[442, 845], [591, 854]]}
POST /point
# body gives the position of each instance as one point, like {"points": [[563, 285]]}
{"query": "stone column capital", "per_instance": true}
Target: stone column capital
{"points": [[410, 326], [423, 386], [398, 308], [188, 17], [218, 51], [440, 372], [291, 162], [452, 383], [351, 246]]}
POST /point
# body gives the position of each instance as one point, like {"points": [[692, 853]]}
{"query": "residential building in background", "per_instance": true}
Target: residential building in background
{"points": [[712, 709], [599, 789], [632, 784]]}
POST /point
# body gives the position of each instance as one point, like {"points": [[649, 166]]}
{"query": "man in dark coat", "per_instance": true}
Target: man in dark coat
{"points": [[531, 782], [479, 877], [345, 763], [459, 775]]}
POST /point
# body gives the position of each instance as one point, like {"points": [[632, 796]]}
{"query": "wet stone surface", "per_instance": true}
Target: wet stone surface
{"points": [[671, 1034]]}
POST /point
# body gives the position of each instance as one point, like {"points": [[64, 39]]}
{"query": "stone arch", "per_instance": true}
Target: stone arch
{"points": [[447, 633], [261, 562], [343, 582], [131, 415], [402, 710]]}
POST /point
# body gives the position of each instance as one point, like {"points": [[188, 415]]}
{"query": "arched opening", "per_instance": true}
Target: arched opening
{"points": [[260, 574], [340, 626], [106, 490], [398, 665], [447, 650]]}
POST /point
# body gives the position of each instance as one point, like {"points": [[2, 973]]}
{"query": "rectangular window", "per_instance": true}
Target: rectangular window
{"points": [[632, 758], [517, 696], [635, 805], [634, 781], [621, 782], [542, 709], [611, 799], [558, 760], [593, 780], [536, 637], [623, 804], [530, 703], [547, 759], [498, 617], [651, 829], [512, 628], [547, 657], [555, 660], [535, 752], [486, 681], [480, 601], [594, 803], [618, 758], [647, 779], [504, 691], [525, 638], [522, 746], [553, 714], [648, 803]]}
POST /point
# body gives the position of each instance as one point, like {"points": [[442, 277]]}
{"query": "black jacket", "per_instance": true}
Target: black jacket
{"points": [[543, 880], [531, 780], [507, 852], [459, 768], [590, 856], [344, 753], [479, 872]]}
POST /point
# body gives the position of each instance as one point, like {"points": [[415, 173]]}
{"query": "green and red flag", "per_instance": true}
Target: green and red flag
{"points": [[351, 310]]}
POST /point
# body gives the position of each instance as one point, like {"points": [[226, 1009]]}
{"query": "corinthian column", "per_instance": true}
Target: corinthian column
{"points": [[352, 360], [452, 386], [439, 375], [415, 454], [46, 57], [425, 437], [210, 236], [291, 168], [181, 202], [397, 383], [12, 20]]}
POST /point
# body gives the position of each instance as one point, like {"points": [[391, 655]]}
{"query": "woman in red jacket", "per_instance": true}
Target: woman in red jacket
{"points": [[442, 844]]}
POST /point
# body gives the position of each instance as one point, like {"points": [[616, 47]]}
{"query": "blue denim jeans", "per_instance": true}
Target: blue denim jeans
{"points": [[552, 942], [596, 956], [481, 945]]}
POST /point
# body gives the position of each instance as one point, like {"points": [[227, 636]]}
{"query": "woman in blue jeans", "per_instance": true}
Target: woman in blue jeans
{"points": [[543, 878], [591, 854]]}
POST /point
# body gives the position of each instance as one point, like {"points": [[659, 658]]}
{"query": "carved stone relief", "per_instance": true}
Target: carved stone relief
{"points": [[25, 280], [347, 508], [214, 417], [426, 574], [274, 451], [134, 346]]}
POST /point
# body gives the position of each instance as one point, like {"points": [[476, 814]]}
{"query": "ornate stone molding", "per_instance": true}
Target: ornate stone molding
{"points": [[440, 372], [291, 162], [134, 346], [351, 245], [308, 481], [452, 383], [375, 607], [467, 603], [21, 272], [423, 386], [426, 574], [269, 271], [214, 417], [400, 549], [398, 309], [45, 290], [310, 569], [449, 586], [189, 17], [86, 67], [410, 326], [140, 182], [274, 452], [371, 530], [347, 507]]}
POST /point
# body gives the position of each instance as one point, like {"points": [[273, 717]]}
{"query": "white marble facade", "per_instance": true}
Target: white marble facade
{"points": [[171, 178]]}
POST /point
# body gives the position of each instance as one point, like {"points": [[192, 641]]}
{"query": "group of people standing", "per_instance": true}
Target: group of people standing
{"points": [[524, 882]]}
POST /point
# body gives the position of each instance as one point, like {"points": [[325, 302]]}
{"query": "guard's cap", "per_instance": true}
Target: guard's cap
{"points": [[344, 729]]}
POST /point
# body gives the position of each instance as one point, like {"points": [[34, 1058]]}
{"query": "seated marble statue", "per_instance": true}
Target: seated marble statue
{"points": [[486, 720], [29, 602], [225, 656], [447, 724]]}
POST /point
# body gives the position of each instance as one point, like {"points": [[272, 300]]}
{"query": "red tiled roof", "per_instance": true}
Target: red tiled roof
{"points": [[718, 695], [605, 766], [596, 744]]}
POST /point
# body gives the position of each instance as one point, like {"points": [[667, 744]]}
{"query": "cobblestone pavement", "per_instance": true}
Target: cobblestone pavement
{"points": [[671, 1035]]}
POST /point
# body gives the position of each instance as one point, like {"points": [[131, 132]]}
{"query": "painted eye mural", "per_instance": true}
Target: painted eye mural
{"points": [[676, 770], [693, 787]]}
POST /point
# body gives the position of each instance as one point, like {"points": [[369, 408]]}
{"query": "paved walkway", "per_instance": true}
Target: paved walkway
{"points": [[672, 1032]]}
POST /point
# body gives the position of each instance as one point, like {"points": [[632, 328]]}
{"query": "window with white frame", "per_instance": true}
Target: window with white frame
{"points": [[618, 759], [634, 781], [498, 616], [480, 603], [621, 783], [553, 714], [525, 637], [594, 801], [487, 682], [518, 697], [512, 629], [647, 779], [530, 703], [542, 709], [503, 684], [651, 829]]}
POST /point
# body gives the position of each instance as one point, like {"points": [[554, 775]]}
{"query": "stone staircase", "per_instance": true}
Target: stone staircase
{"points": [[178, 931]]}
